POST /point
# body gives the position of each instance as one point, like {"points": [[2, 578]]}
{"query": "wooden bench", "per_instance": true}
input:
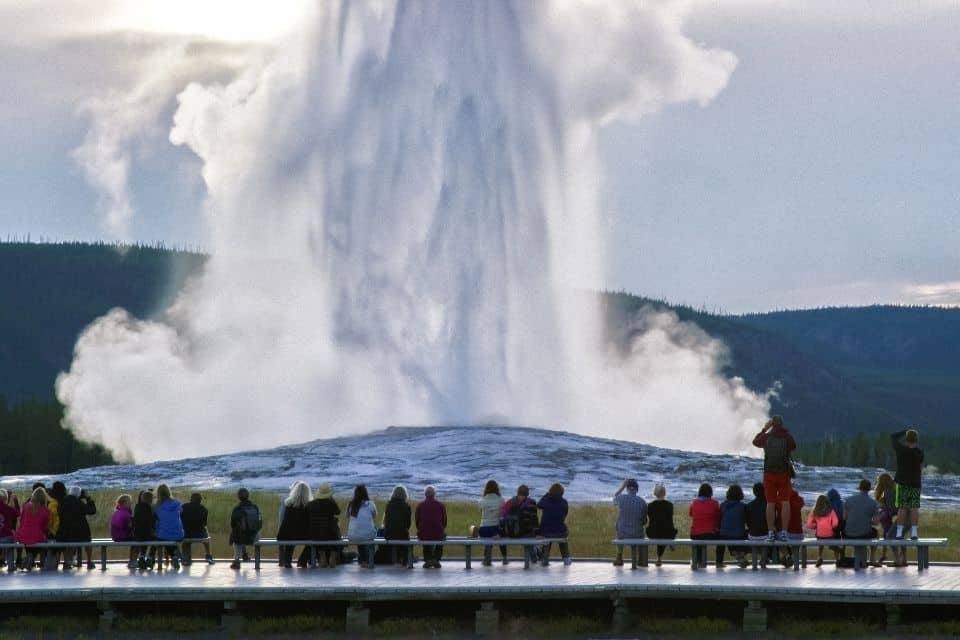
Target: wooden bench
{"points": [[467, 543], [103, 544], [798, 547]]}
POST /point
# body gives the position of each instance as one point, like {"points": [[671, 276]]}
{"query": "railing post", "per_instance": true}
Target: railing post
{"points": [[103, 557]]}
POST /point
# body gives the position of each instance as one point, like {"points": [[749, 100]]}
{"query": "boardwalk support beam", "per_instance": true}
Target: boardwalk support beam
{"points": [[754, 617], [105, 623], [358, 618], [230, 619], [893, 617], [488, 620], [621, 616]]}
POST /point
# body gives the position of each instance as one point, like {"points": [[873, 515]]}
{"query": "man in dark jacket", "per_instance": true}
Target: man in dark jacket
{"points": [[906, 444], [74, 509], [194, 519], [431, 520], [777, 444]]}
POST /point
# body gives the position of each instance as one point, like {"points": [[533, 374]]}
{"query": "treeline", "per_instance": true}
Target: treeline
{"points": [[35, 442], [939, 450]]}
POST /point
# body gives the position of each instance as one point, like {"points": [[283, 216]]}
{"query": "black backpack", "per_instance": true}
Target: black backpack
{"points": [[250, 521], [776, 454]]}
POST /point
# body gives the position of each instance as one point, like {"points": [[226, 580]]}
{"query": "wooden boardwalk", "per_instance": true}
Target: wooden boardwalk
{"points": [[582, 580]]}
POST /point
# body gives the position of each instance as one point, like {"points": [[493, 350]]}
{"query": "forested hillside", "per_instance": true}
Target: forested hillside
{"points": [[840, 371]]}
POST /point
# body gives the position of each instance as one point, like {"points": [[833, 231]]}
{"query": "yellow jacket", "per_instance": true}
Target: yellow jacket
{"points": [[54, 525]]}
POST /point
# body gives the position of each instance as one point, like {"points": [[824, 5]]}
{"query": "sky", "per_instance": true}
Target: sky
{"points": [[827, 172]]}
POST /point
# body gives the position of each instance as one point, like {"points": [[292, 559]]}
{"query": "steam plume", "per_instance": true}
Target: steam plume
{"points": [[400, 206]]}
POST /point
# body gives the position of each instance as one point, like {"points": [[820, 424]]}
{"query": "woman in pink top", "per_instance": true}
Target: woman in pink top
{"points": [[34, 519], [823, 520], [121, 526]]}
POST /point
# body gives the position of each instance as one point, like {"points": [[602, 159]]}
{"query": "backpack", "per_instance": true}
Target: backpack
{"points": [[250, 521], [776, 455], [510, 523]]}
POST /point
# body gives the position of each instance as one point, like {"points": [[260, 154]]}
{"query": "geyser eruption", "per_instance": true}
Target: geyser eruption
{"points": [[402, 205]]}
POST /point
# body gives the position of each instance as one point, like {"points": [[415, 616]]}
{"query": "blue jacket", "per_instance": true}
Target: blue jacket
{"points": [[169, 525], [733, 520], [552, 521]]}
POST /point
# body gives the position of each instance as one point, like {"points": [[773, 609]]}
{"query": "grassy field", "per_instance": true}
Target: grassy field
{"points": [[591, 524]]}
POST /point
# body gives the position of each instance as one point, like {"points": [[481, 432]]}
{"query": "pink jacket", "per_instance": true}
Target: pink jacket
{"points": [[823, 525], [121, 524], [33, 525]]}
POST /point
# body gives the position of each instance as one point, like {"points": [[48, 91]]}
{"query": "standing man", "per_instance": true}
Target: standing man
{"points": [[777, 443], [906, 444]]}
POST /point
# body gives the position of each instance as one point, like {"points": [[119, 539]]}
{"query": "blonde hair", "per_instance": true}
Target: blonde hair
{"points": [[659, 491], [4, 496], [299, 495], [39, 497], [124, 499]]}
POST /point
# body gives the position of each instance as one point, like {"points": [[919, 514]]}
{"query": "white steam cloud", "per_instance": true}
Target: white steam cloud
{"points": [[401, 205]]}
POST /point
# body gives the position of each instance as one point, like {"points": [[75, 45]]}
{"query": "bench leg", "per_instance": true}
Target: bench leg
{"points": [[754, 558], [256, 557], [103, 558], [467, 553], [526, 556], [795, 552], [633, 556], [644, 556], [694, 557]]}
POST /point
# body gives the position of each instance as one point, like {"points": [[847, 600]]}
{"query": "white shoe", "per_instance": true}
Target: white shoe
{"points": [[567, 562]]}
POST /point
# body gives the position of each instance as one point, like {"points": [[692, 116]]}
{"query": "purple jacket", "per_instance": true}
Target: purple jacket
{"points": [[121, 524], [431, 519]]}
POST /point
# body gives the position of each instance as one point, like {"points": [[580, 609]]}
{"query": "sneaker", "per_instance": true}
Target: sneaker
{"points": [[782, 536], [246, 558], [91, 565], [210, 559], [235, 564], [772, 536], [618, 562], [176, 562], [567, 562], [914, 538], [141, 563], [436, 565]]}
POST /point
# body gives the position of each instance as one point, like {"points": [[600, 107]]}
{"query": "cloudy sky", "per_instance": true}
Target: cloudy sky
{"points": [[826, 172]]}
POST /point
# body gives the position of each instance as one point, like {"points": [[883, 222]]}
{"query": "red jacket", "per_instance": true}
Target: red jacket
{"points": [[33, 525], [8, 520], [705, 516], [431, 520]]}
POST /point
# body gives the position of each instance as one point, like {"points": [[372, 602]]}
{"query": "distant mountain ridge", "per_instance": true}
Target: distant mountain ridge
{"points": [[840, 371]]}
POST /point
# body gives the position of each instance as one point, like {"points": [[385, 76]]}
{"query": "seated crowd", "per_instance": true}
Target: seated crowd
{"points": [[167, 529]]}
